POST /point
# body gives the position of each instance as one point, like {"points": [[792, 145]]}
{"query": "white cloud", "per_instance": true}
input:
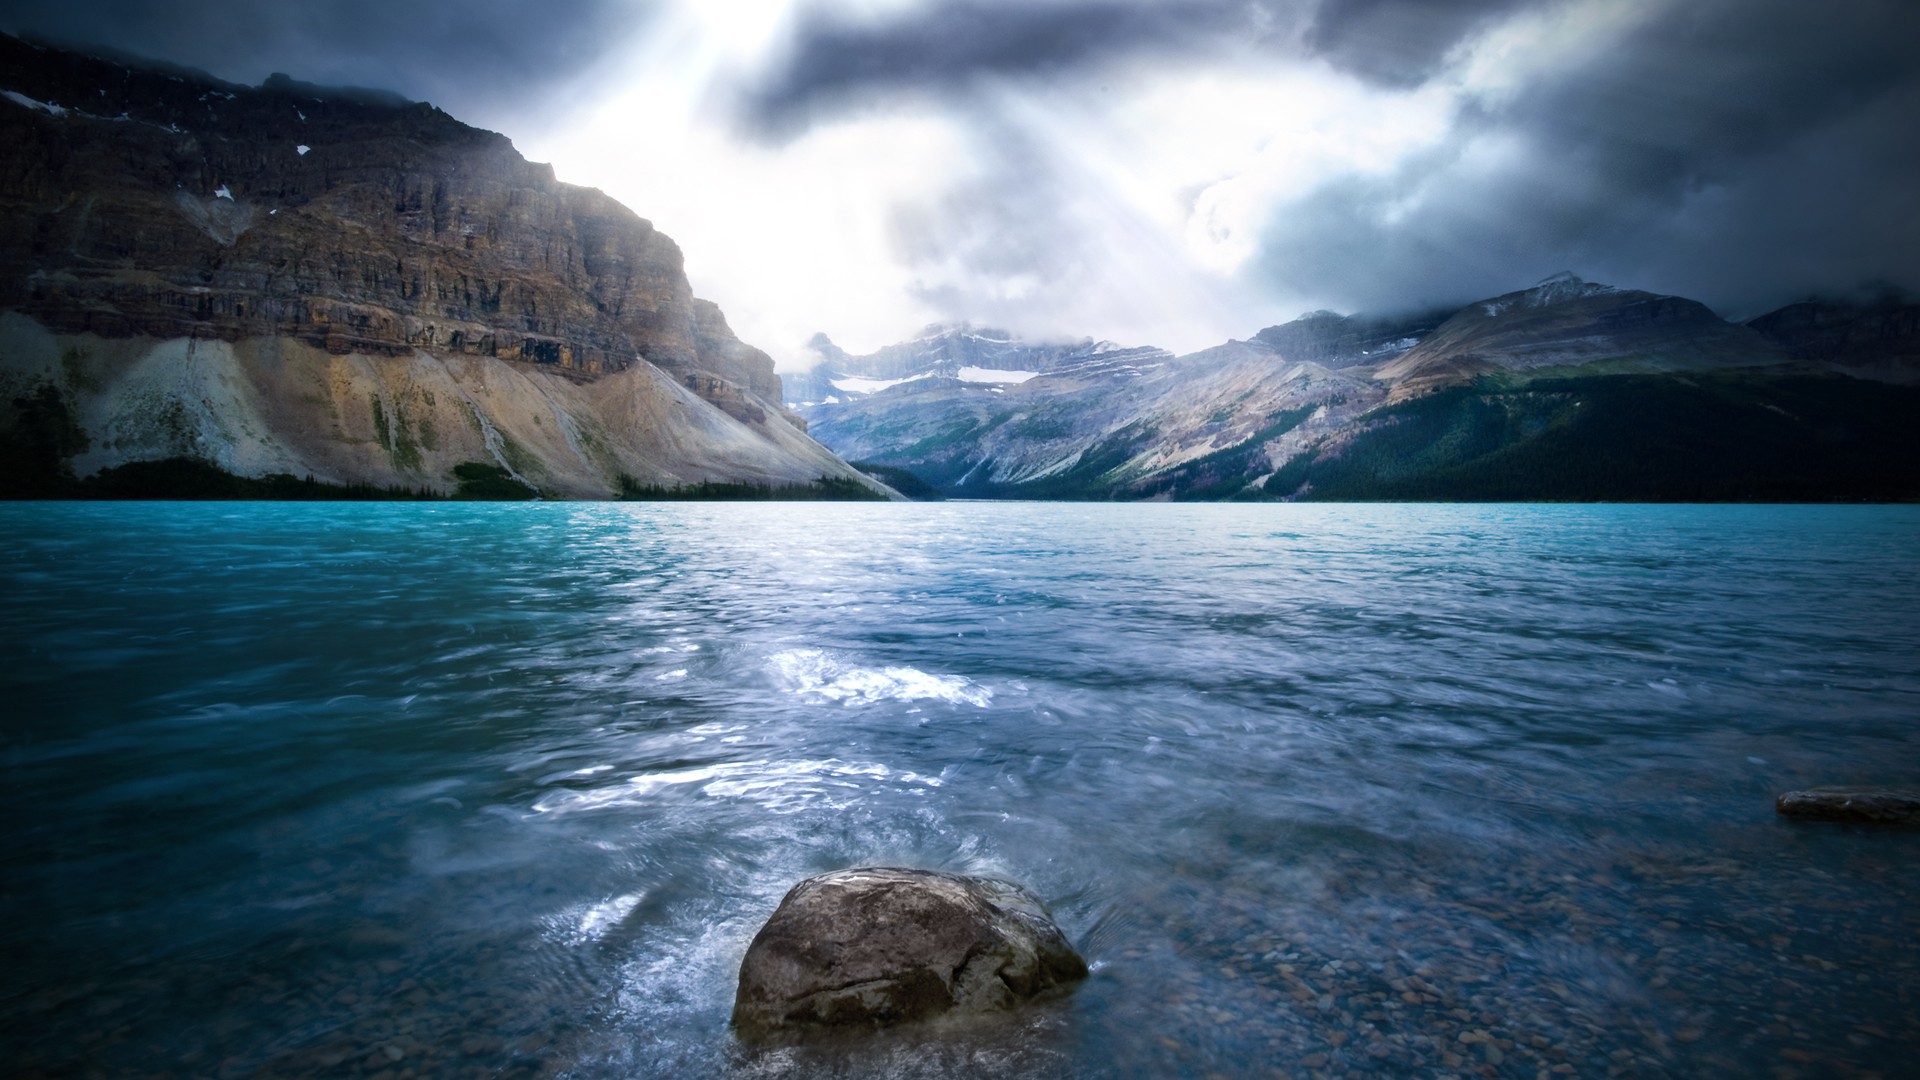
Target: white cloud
{"points": [[1538, 41], [1171, 172], [1123, 200]]}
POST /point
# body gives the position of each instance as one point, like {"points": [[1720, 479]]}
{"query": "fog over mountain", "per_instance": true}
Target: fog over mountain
{"points": [[1175, 173]]}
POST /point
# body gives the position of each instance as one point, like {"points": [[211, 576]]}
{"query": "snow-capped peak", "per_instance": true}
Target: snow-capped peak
{"points": [[1558, 289], [1564, 286], [963, 330]]}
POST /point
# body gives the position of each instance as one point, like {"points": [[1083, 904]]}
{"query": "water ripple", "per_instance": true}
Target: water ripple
{"points": [[815, 673], [781, 787], [1403, 790]]}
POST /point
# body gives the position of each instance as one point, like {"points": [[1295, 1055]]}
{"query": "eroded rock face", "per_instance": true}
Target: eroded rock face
{"points": [[347, 285], [1851, 804], [156, 204], [878, 946]]}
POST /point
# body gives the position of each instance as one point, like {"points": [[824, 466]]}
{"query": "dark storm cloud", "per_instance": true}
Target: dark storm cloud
{"points": [[1737, 150], [1396, 42], [1742, 153], [478, 56], [837, 62]]}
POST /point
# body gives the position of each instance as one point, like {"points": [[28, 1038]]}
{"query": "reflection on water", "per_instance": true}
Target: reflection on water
{"points": [[504, 790], [776, 786], [811, 671]]}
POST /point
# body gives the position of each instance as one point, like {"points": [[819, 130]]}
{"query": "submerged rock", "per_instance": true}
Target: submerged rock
{"points": [[876, 946], [1850, 804]]}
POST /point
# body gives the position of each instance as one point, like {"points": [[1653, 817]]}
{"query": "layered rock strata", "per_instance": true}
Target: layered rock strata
{"points": [[377, 252]]}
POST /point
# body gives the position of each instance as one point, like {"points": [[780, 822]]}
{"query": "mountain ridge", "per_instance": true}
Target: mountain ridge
{"points": [[958, 351], [359, 238], [1245, 419]]}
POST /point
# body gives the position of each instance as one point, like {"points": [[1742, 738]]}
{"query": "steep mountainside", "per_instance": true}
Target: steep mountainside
{"points": [[1571, 325], [1120, 430], [1343, 341], [290, 278], [1567, 390], [1878, 339]]}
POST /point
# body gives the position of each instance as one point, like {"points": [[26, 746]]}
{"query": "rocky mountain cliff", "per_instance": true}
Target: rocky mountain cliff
{"points": [[1566, 324], [1341, 341], [1565, 390], [1876, 338], [345, 283]]}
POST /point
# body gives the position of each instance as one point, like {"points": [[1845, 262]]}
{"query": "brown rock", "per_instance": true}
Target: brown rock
{"points": [[156, 206], [872, 947], [288, 278], [1850, 804]]}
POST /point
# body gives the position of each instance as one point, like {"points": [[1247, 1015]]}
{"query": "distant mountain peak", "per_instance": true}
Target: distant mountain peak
{"points": [[1560, 288], [1339, 341], [947, 353], [1567, 285], [934, 331]]}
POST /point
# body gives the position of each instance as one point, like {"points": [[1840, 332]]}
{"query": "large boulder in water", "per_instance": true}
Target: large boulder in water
{"points": [[1851, 804], [877, 946]]}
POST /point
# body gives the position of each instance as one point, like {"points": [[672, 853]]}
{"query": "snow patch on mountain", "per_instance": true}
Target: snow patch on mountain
{"points": [[856, 385], [19, 98], [1563, 287], [994, 375], [984, 358]]}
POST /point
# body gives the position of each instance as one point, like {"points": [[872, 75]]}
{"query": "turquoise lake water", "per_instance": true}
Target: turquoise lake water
{"points": [[406, 790]]}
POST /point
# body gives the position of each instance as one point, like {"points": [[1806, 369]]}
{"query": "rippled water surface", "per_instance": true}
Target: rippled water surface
{"points": [[475, 790]]}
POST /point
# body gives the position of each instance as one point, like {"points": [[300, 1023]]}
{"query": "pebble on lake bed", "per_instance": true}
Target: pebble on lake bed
{"points": [[1850, 804], [872, 947]]}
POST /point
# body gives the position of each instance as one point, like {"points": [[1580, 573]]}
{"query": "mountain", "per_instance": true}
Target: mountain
{"points": [[1569, 325], [1876, 338], [958, 352], [1342, 341], [1106, 420], [337, 282], [1564, 390]]}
